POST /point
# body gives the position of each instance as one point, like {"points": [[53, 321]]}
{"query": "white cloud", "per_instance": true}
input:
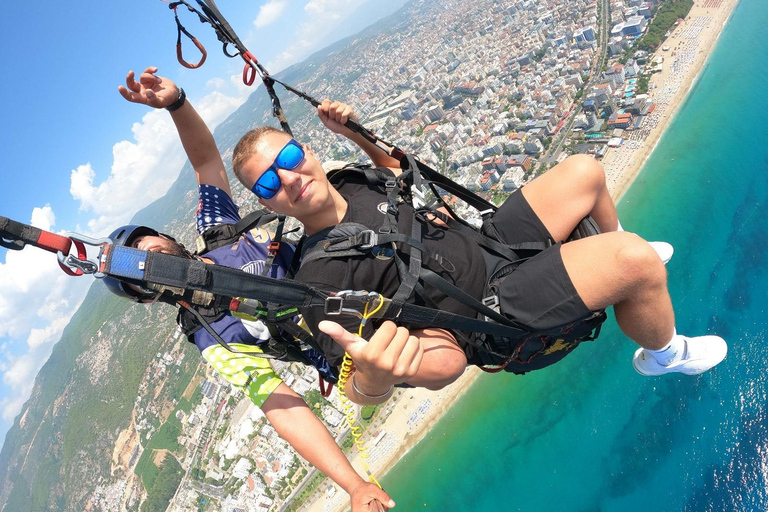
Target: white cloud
{"points": [[11, 407], [323, 17], [35, 292], [269, 13], [36, 304], [37, 299], [216, 83], [216, 107], [43, 218]]}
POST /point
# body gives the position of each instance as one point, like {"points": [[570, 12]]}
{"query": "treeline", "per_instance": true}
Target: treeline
{"points": [[669, 12], [166, 483]]}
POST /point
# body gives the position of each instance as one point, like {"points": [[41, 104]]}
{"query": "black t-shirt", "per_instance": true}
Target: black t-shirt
{"points": [[367, 205]]}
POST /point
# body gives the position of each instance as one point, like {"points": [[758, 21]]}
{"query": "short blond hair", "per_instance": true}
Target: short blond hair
{"points": [[246, 147]]}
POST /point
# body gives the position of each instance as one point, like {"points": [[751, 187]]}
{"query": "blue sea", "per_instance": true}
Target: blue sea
{"points": [[589, 434]]}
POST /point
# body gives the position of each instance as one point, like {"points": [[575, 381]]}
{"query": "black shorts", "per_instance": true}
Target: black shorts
{"points": [[539, 293]]}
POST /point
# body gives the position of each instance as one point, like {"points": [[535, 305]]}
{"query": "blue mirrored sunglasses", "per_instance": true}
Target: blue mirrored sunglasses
{"points": [[289, 159]]}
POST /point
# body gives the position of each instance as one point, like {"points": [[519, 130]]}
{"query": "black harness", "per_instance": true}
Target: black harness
{"points": [[198, 311], [514, 350]]}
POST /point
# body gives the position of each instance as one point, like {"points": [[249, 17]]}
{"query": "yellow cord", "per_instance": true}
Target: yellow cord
{"points": [[344, 375], [348, 409]]}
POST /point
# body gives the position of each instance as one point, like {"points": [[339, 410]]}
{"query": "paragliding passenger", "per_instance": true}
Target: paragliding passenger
{"points": [[559, 286]]}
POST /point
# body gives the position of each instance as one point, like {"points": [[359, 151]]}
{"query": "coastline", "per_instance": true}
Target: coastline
{"points": [[690, 46]]}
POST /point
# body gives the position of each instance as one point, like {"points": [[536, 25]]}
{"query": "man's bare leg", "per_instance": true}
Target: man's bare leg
{"points": [[622, 270], [571, 190]]}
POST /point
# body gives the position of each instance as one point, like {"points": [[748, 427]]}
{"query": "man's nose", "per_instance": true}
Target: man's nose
{"points": [[288, 178]]}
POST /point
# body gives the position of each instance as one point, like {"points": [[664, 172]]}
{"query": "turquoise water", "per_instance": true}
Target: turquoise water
{"points": [[588, 433]]}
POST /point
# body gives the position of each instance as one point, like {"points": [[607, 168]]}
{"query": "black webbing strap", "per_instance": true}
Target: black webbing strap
{"points": [[15, 235], [224, 234], [361, 243], [144, 267], [459, 295], [204, 323], [508, 251], [277, 109], [223, 29], [254, 219], [420, 315], [409, 277], [134, 265], [274, 246]]}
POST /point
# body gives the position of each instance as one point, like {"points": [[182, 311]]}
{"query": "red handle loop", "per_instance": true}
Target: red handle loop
{"points": [[325, 387], [199, 47], [249, 71]]}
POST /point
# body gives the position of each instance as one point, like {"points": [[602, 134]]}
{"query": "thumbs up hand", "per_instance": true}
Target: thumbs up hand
{"points": [[392, 356]]}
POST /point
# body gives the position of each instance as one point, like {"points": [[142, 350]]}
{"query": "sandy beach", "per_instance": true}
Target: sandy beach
{"points": [[690, 44], [416, 411]]}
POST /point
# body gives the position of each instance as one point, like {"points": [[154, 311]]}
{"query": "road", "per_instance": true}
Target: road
{"points": [[565, 131]]}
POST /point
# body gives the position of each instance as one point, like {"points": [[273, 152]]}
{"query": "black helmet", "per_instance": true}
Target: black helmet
{"points": [[124, 236]]}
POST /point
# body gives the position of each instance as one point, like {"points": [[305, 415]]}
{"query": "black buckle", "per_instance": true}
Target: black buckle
{"points": [[12, 244], [367, 239], [486, 214]]}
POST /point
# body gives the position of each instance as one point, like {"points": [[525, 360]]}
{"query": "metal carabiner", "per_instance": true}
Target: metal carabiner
{"points": [[81, 264]]}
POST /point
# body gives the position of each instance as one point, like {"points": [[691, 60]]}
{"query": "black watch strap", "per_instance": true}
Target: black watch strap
{"points": [[179, 102]]}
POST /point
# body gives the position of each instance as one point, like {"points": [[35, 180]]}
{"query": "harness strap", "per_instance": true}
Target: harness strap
{"points": [[274, 246], [460, 295], [362, 242], [223, 234], [409, 277], [142, 267], [218, 338], [507, 251], [277, 109], [15, 235]]}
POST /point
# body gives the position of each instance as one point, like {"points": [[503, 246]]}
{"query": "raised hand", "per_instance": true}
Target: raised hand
{"points": [[335, 114], [150, 89]]}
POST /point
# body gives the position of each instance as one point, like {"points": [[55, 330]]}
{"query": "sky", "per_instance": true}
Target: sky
{"points": [[75, 156]]}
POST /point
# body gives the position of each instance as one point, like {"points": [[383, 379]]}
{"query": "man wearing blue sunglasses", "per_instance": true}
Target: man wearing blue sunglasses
{"points": [[286, 411], [566, 283]]}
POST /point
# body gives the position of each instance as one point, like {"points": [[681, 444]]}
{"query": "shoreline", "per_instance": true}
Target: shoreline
{"points": [[690, 46]]}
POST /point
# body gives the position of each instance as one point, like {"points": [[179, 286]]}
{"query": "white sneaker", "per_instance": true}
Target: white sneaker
{"points": [[701, 353], [664, 250]]}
